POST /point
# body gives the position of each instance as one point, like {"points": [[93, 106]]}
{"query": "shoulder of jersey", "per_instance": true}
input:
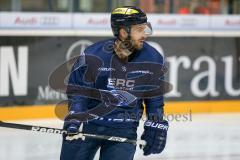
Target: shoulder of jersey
{"points": [[100, 47], [152, 53]]}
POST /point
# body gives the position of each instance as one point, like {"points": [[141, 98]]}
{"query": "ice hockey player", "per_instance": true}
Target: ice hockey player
{"points": [[130, 28]]}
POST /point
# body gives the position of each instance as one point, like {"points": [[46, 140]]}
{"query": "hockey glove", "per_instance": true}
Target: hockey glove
{"points": [[72, 127], [155, 134]]}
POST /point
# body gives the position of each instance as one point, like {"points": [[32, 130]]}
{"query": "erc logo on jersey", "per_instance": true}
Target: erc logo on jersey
{"points": [[120, 84]]}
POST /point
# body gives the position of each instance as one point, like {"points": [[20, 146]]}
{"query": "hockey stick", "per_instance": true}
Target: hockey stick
{"points": [[61, 131]]}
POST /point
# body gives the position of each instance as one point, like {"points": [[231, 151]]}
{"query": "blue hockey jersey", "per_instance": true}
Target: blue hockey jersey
{"points": [[112, 74]]}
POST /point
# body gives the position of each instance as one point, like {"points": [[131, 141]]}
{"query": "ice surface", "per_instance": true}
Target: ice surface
{"points": [[207, 136]]}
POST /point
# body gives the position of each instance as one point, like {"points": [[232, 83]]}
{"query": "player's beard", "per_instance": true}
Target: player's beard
{"points": [[123, 48], [137, 44], [126, 48]]}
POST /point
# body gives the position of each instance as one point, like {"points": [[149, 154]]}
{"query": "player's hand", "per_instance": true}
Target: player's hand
{"points": [[155, 134]]}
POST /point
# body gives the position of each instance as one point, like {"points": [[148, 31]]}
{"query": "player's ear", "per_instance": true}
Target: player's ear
{"points": [[123, 34]]}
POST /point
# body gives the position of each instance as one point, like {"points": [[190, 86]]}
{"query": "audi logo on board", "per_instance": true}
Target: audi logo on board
{"points": [[49, 20]]}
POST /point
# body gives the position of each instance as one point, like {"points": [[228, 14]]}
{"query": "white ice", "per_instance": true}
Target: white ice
{"points": [[207, 136]]}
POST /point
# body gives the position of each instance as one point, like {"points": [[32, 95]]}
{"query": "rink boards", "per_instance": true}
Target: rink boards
{"points": [[204, 72]]}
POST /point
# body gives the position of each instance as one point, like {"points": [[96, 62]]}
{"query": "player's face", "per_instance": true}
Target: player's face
{"points": [[138, 35]]}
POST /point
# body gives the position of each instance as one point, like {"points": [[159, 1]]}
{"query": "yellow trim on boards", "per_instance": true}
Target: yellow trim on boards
{"points": [[27, 112], [48, 111], [221, 106]]}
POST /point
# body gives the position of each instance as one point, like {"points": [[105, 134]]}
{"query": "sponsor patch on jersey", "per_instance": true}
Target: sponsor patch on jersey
{"points": [[105, 69], [141, 72]]}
